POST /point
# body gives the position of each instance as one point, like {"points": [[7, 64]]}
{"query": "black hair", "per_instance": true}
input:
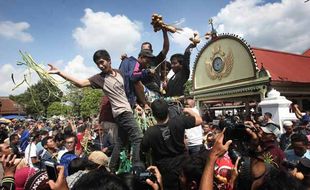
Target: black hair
{"points": [[59, 137], [299, 137], [71, 136], [43, 132], [44, 141], [3, 134], [268, 114], [98, 180], [78, 164], [193, 167], [280, 180], [179, 57], [81, 128], [68, 130], [101, 54], [160, 109], [12, 137], [133, 182], [147, 43]]}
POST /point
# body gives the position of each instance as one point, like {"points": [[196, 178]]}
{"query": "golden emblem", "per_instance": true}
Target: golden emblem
{"points": [[219, 65]]}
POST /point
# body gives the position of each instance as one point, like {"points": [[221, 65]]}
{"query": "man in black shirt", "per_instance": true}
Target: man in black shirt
{"points": [[180, 67], [166, 139]]}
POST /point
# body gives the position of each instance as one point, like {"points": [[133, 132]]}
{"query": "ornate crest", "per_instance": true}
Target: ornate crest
{"points": [[220, 64]]}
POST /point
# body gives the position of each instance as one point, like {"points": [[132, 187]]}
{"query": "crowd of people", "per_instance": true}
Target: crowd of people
{"points": [[183, 150]]}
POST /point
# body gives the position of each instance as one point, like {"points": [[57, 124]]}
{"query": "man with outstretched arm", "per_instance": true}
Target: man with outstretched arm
{"points": [[112, 84]]}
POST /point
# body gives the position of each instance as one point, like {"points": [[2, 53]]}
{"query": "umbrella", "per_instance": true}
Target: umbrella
{"points": [[3, 120]]}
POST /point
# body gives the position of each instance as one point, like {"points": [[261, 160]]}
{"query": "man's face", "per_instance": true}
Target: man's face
{"points": [[5, 149], [70, 144], [299, 148], [16, 140], [289, 129], [144, 61], [50, 144], [175, 65], [104, 65], [146, 46], [267, 137], [99, 130]]}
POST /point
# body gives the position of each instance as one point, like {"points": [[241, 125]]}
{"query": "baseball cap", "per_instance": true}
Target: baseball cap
{"points": [[271, 128], [146, 53]]}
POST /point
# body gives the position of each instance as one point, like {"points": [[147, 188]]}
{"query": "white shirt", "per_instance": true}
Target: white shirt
{"points": [[30, 152], [194, 135]]}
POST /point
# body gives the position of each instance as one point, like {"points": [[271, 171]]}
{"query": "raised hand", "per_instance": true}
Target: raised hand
{"points": [[53, 69]]}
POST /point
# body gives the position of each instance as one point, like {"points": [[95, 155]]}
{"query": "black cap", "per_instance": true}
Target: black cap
{"points": [[146, 53]]}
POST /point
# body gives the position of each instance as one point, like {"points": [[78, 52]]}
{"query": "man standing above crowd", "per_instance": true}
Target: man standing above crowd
{"points": [[180, 67], [112, 84], [166, 140]]}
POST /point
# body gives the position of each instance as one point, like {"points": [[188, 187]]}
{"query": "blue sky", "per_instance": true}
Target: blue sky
{"points": [[67, 32]]}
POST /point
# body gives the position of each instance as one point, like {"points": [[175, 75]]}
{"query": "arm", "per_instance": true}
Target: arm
{"points": [[9, 167], [80, 83], [166, 42], [138, 74], [187, 55], [198, 119], [218, 150], [297, 111]]}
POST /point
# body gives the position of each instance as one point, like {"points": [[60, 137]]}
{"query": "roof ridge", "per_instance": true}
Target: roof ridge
{"points": [[282, 52]]}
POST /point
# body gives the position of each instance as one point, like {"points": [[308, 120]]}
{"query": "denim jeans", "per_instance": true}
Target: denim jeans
{"points": [[128, 125]]}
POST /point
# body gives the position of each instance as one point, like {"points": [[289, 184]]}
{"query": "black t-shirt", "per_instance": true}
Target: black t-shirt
{"points": [[167, 140], [175, 86]]}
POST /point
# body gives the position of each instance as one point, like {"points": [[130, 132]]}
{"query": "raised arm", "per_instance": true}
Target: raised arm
{"points": [[198, 119], [166, 43], [187, 55], [80, 83]]}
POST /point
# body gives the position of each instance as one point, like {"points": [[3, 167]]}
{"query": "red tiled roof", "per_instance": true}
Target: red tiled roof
{"points": [[284, 66], [9, 106]]}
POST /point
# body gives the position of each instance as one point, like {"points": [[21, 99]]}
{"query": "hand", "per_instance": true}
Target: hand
{"points": [[138, 109], [151, 72], [104, 149], [123, 56], [9, 165], [219, 148], [60, 183], [53, 69], [147, 109], [234, 173], [158, 184]]}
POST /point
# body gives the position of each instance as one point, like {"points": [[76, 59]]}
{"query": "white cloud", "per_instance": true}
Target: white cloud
{"points": [[19, 73], [75, 67], [117, 34], [281, 25], [78, 69], [182, 38], [16, 31]]}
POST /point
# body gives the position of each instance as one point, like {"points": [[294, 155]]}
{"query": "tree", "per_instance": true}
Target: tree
{"points": [[37, 98], [90, 103], [58, 108]]}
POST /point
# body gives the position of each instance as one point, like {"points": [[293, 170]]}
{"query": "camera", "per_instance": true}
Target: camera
{"points": [[143, 176]]}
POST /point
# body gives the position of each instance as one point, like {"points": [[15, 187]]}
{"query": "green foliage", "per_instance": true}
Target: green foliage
{"points": [[58, 108], [90, 103], [188, 87], [74, 97], [36, 99]]}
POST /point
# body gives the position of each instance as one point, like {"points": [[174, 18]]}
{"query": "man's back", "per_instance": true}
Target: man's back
{"points": [[167, 140]]}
